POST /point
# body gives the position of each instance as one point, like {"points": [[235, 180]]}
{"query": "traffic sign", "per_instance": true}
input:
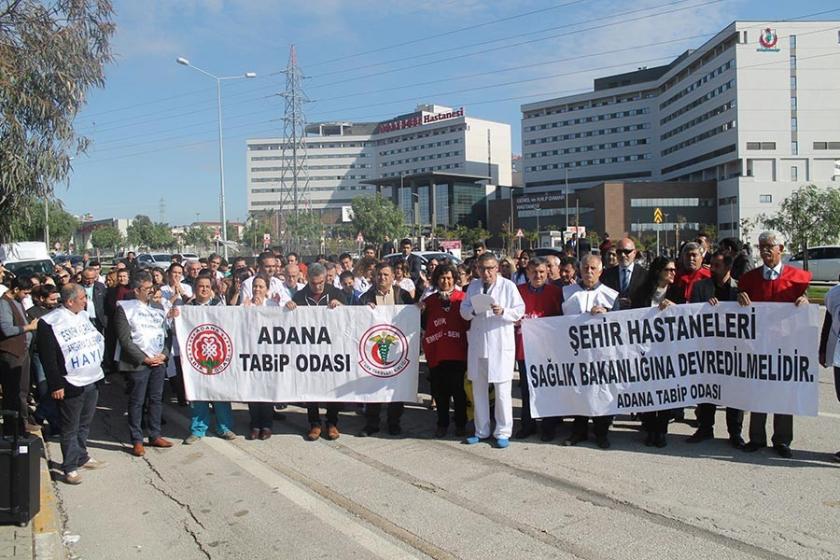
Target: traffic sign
{"points": [[520, 233], [657, 215]]}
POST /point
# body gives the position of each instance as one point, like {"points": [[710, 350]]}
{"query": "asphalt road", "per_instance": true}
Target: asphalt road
{"points": [[415, 496]]}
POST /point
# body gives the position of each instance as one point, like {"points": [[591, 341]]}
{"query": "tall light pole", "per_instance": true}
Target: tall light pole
{"points": [[223, 210]]}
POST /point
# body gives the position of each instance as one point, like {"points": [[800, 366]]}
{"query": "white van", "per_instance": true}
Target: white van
{"points": [[26, 258], [823, 262]]}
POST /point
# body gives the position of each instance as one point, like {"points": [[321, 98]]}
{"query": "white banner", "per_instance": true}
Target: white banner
{"points": [[760, 358], [309, 354]]}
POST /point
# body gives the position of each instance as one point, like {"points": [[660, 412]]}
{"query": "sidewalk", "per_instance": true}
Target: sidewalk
{"points": [[41, 538]]}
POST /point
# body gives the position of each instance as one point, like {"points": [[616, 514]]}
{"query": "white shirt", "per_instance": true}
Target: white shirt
{"points": [[772, 273], [629, 273], [275, 287], [577, 299], [406, 284], [361, 284]]}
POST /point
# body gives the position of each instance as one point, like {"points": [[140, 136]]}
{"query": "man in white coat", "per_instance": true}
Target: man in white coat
{"points": [[589, 296], [491, 347]]}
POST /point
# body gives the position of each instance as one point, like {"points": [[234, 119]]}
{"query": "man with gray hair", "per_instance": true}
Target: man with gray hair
{"points": [[318, 292], [772, 282], [71, 350], [589, 295], [690, 268]]}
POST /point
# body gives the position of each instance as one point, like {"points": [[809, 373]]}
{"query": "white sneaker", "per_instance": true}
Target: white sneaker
{"points": [[73, 477], [94, 464]]}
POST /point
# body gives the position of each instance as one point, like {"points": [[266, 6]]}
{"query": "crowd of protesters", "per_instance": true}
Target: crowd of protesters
{"points": [[128, 315]]}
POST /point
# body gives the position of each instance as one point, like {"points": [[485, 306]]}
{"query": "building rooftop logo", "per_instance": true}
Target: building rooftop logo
{"points": [[768, 40]]}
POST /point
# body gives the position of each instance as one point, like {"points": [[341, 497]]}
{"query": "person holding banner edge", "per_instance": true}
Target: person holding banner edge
{"points": [[658, 290], [720, 287], [542, 299], [590, 296], [781, 283], [200, 421], [384, 292], [830, 339], [318, 292], [491, 348]]}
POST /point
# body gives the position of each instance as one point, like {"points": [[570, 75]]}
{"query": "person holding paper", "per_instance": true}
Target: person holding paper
{"points": [[772, 282], [493, 305], [144, 341], [590, 296], [73, 366]]}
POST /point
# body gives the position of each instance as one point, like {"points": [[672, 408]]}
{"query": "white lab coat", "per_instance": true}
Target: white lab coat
{"points": [[577, 299], [491, 336], [832, 307]]}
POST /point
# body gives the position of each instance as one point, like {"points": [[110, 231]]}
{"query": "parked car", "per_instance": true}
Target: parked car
{"points": [[823, 262], [425, 256], [26, 258], [147, 260]]}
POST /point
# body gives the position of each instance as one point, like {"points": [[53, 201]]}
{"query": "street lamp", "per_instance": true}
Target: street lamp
{"points": [[416, 198], [183, 61]]}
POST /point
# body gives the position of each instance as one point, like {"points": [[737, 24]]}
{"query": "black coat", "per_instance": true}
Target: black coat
{"points": [[673, 293], [611, 279], [401, 297], [304, 296], [704, 290], [101, 320]]}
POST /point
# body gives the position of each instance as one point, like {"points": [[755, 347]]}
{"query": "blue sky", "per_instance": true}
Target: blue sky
{"points": [[154, 127]]}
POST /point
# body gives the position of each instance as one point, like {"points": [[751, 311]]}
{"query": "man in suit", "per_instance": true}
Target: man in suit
{"points": [[384, 292], [720, 287], [412, 262], [628, 276], [95, 291]]}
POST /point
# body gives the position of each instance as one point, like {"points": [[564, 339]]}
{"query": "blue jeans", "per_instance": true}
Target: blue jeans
{"points": [[201, 417], [76, 415], [142, 381]]}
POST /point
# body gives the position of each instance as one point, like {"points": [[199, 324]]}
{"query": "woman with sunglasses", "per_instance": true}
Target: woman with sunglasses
{"points": [[659, 290]]}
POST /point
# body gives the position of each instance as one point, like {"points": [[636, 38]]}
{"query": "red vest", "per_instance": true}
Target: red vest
{"points": [[548, 302], [445, 338], [685, 280], [790, 284]]}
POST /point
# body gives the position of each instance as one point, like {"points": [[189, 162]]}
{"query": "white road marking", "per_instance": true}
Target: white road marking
{"points": [[329, 514]]}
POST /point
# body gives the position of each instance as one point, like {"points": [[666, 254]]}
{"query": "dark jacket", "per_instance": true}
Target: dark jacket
{"points": [[401, 297], [101, 320], [305, 296], [704, 290], [611, 278], [673, 293], [131, 357], [53, 361]]}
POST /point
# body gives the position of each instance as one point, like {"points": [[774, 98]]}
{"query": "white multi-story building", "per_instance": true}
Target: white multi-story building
{"points": [[339, 157], [755, 108], [433, 156]]}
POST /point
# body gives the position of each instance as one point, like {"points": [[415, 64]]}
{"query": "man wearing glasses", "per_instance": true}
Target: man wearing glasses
{"points": [[628, 276], [144, 340], [492, 348], [772, 282]]}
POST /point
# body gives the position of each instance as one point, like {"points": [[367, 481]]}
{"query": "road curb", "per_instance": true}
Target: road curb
{"points": [[46, 526]]}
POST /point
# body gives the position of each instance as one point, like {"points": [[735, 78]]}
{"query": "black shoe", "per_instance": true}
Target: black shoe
{"points": [[368, 431], [574, 439], [603, 442], [661, 440], [753, 446], [460, 432], [837, 456], [650, 440], [394, 430], [525, 431], [440, 432], [783, 450], [737, 442], [699, 436], [547, 435]]}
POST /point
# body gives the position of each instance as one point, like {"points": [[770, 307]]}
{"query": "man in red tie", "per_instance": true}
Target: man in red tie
{"points": [[772, 282]]}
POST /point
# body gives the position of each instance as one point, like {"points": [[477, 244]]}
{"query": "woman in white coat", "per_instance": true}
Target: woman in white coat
{"points": [[491, 349]]}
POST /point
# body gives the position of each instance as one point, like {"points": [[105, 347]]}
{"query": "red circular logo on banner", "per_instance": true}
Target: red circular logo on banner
{"points": [[383, 351], [209, 349]]}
